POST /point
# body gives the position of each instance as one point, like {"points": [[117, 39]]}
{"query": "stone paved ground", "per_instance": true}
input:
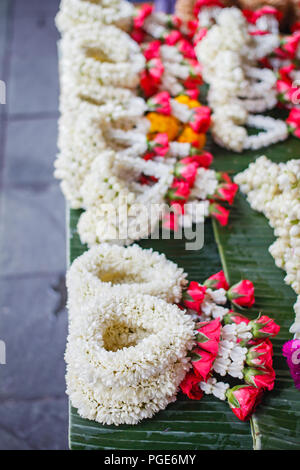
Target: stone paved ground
{"points": [[33, 321]]}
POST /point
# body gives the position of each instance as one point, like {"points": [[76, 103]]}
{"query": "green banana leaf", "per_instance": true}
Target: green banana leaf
{"points": [[209, 424], [243, 247]]}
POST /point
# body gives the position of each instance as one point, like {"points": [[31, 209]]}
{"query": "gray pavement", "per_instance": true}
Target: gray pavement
{"points": [[33, 320]]}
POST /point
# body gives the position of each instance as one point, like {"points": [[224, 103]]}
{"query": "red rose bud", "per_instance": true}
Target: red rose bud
{"points": [[190, 386], [233, 317], [142, 14], [200, 121], [148, 85], [264, 327], [223, 177], [260, 355], [179, 191], [242, 294], [217, 281], [192, 26], [291, 43], [160, 144], [194, 296], [202, 362], [243, 399], [219, 213], [293, 122], [208, 336], [174, 22], [172, 38], [137, 35], [186, 171], [206, 3], [192, 82], [152, 50], [226, 192], [260, 378], [204, 160]]}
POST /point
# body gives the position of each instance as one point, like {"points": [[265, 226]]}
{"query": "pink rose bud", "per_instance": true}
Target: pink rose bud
{"points": [[194, 296], [219, 213], [160, 144], [186, 49], [202, 363], [152, 50], [200, 120], [179, 191], [187, 172], [226, 192], [208, 336], [161, 103], [193, 93], [217, 281], [170, 221], [243, 399], [264, 327], [291, 350], [233, 317], [260, 378], [172, 38], [190, 386], [155, 69], [142, 14], [260, 355], [242, 294], [200, 34]]}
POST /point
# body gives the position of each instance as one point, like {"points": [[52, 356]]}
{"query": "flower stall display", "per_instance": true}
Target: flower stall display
{"points": [[134, 155], [138, 332]]}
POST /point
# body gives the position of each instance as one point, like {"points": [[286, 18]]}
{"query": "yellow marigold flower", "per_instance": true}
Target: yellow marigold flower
{"points": [[188, 135], [163, 124], [184, 99]]}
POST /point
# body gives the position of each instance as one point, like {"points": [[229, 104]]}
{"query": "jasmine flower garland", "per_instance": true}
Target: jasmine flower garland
{"points": [[237, 86], [119, 270], [137, 344], [102, 12]]}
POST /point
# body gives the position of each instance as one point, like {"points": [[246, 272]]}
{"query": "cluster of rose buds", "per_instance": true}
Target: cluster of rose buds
{"points": [[233, 341], [168, 32]]}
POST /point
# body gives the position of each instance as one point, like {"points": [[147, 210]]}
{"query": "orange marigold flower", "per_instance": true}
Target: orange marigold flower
{"points": [[164, 125], [188, 135]]}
